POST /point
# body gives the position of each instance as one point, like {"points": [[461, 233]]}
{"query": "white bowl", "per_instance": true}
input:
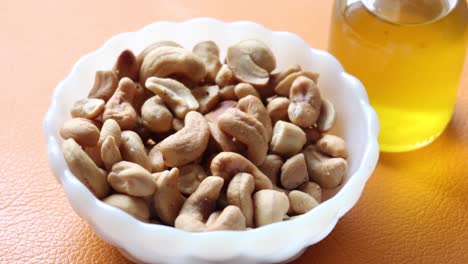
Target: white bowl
{"points": [[357, 123]]}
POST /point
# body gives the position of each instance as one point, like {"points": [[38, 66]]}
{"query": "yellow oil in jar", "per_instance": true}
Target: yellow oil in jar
{"points": [[411, 70]]}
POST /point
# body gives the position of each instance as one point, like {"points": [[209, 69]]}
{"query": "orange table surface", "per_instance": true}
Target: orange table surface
{"points": [[414, 208]]}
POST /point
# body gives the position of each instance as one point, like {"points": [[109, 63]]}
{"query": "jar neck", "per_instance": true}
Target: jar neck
{"points": [[408, 11]]}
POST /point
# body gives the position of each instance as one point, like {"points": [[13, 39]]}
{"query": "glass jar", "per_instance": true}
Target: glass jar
{"points": [[409, 55]]}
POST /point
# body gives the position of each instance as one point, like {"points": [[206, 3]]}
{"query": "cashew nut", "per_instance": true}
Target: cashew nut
{"points": [[231, 218], [327, 172], [277, 108], [213, 216], [251, 61], [87, 108], [228, 164], [219, 110], [247, 130], [239, 193], [134, 206], [220, 140], [153, 46], [132, 179], [278, 77], [177, 124], [155, 116], [225, 76], [105, 84], [119, 106], [244, 89], [287, 140], [132, 149], [312, 189], [207, 97], [227, 93], [190, 177], [327, 116], [254, 107], [95, 154], [174, 94], [285, 85], [156, 159], [333, 146], [294, 172], [127, 65], [110, 153], [187, 144], [271, 167], [81, 130], [301, 202], [166, 60], [270, 206], [208, 51], [110, 128], [81, 165], [199, 205], [167, 198], [312, 135], [306, 101]]}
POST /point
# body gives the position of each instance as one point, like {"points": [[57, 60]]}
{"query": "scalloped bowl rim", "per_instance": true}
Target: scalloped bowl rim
{"points": [[237, 241]]}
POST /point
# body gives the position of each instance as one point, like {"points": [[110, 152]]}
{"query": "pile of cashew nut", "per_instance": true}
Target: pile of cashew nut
{"points": [[176, 137]]}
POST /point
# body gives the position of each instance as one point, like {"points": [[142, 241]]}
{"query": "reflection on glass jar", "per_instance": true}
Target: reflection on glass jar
{"points": [[409, 54]]}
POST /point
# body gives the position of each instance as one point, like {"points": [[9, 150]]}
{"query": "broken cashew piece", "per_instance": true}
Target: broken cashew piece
{"points": [[244, 89], [167, 198], [166, 60], [251, 61], [132, 149], [119, 106], [294, 172], [301, 202], [105, 84], [155, 115], [87, 108], [81, 130], [208, 51], [326, 171], [247, 130], [239, 193], [156, 159], [174, 94], [81, 165], [207, 97], [254, 107], [312, 189], [283, 87], [127, 65], [270, 206], [271, 167], [132, 179], [133, 206], [228, 164], [305, 102], [187, 144], [287, 140], [190, 177], [327, 116], [277, 108], [333, 146], [110, 153]]}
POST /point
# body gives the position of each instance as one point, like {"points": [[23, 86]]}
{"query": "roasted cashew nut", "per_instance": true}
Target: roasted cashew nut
{"points": [[277, 108], [283, 87], [110, 153], [153, 46], [119, 106], [327, 116], [301, 202], [287, 140], [132, 179], [326, 171], [81, 130], [220, 140], [166, 60], [294, 172], [254, 107], [305, 102], [133, 206], [247, 130], [132, 149], [242, 90], [156, 159], [251, 61], [207, 97], [228, 164], [127, 65], [208, 51], [333, 146], [187, 144], [110, 128], [225, 77], [167, 198], [81, 165], [312, 189], [87, 108], [190, 177], [174, 94], [270, 206], [105, 84], [228, 93], [239, 193], [271, 167], [155, 115]]}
